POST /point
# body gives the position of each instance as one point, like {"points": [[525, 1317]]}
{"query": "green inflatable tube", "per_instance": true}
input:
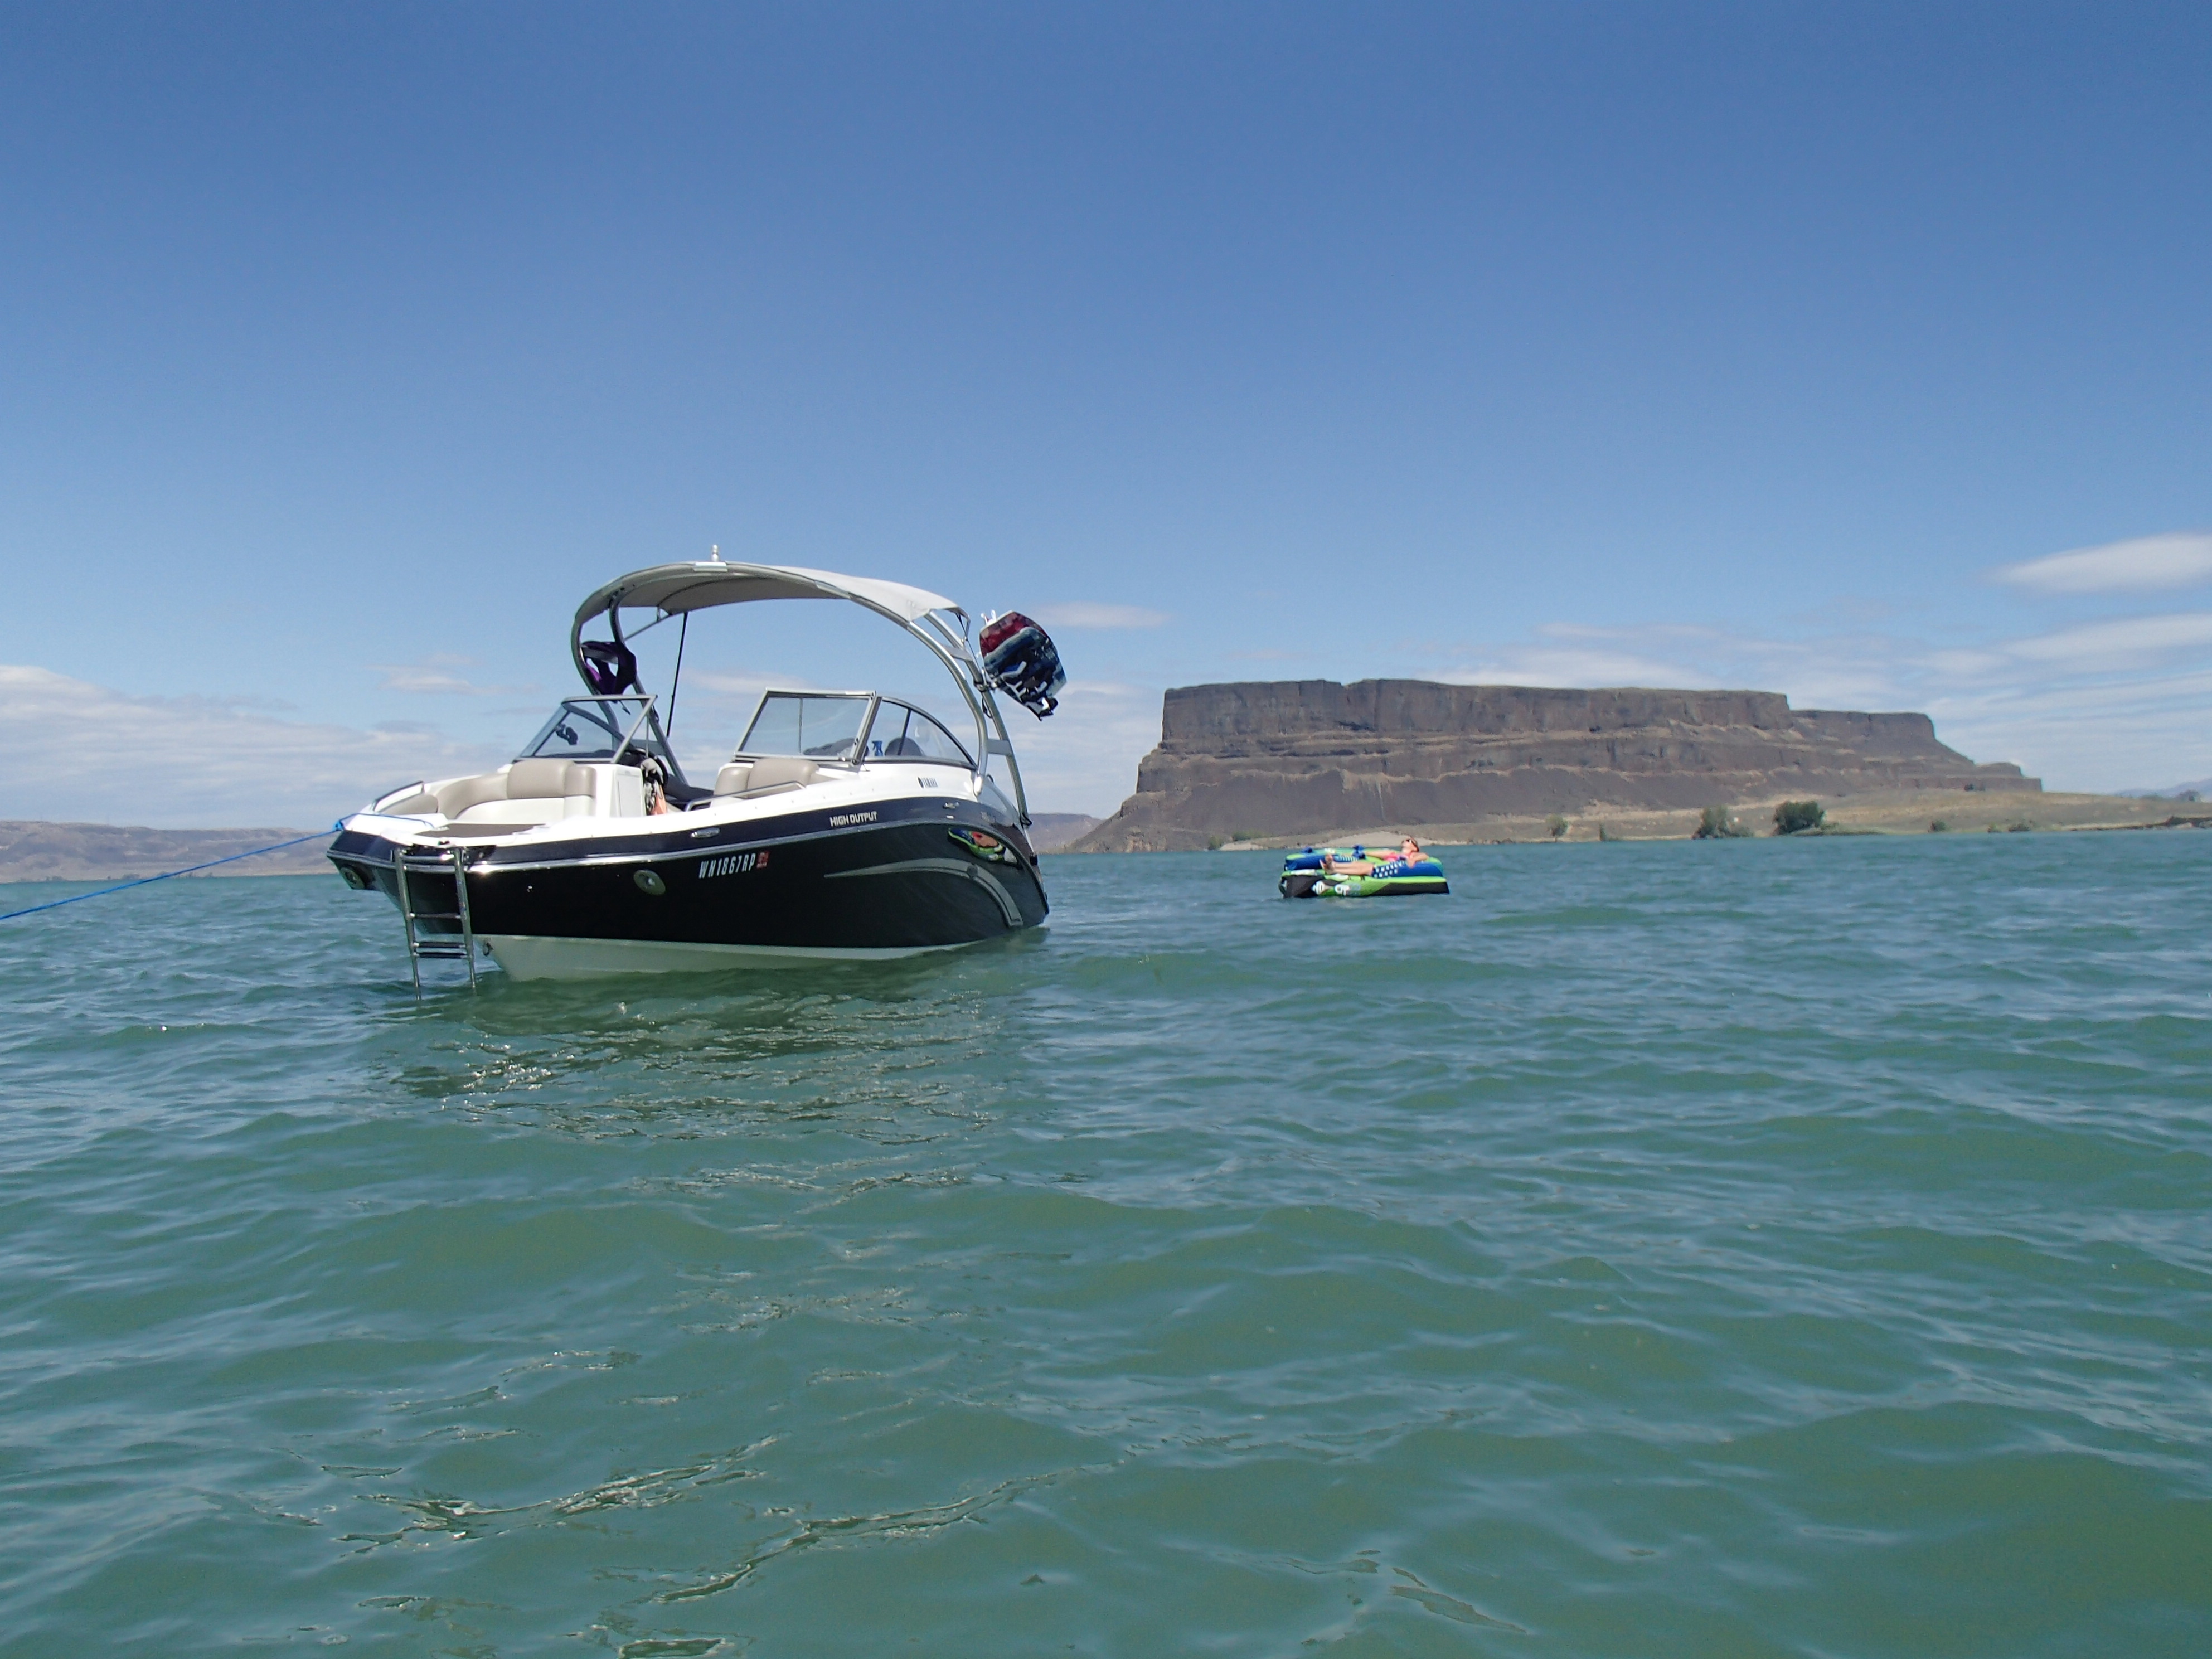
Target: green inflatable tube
{"points": [[1302, 879]]}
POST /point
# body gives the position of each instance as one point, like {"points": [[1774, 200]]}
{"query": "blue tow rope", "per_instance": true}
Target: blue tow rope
{"points": [[166, 875]]}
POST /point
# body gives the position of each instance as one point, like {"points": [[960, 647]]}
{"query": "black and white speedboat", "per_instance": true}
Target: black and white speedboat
{"points": [[846, 825]]}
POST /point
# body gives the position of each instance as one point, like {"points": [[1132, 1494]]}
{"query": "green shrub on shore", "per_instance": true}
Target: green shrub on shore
{"points": [[1718, 823], [1937, 827], [1555, 826], [1795, 816]]}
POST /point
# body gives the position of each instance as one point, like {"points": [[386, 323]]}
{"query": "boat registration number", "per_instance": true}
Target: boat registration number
{"points": [[731, 864]]}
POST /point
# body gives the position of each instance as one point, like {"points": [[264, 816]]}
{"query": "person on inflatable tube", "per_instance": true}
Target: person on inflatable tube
{"points": [[1411, 861]]}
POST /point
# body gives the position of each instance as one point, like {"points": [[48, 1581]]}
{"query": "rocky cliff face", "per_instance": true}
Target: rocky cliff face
{"points": [[1309, 757]]}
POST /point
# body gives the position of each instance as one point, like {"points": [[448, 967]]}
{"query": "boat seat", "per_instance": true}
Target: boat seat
{"points": [[766, 777], [780, 772], [456, 798], [528, 792], [546, 779]]}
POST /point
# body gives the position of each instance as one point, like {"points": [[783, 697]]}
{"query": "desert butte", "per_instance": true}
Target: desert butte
{"points": [[1281, 763]]}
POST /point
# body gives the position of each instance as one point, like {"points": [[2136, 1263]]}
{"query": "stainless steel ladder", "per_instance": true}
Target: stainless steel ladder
{"points": [[436, 946]]}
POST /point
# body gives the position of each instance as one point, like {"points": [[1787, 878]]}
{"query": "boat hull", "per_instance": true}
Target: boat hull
{"points": [[915, 875]]}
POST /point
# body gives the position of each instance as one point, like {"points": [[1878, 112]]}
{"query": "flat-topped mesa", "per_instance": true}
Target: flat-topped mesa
{"points": [[1307, 757], [1274, 709]]}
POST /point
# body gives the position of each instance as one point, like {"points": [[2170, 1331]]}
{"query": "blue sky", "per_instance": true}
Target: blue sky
{"points": [[347, 348]]}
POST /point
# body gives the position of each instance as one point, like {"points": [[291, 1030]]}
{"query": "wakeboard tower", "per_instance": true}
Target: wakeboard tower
{"points": [[845, 824]]}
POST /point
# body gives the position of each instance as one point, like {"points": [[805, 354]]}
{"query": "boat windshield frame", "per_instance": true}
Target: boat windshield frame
{"points": [[640, 733], [854, 752], [960, 757], [849, 756]]}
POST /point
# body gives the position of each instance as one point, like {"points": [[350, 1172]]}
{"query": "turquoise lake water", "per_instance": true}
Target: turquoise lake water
{"points": [[1738, 1248]]}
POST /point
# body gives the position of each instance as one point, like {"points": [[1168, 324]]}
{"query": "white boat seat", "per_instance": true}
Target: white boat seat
{"points": [[546, 779], [771, 776], [528, 792], [519, 814], [732, 778], [456, 797]]}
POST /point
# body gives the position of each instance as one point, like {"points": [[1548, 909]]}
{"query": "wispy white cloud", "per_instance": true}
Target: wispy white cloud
{"points": [[1083, 759], [107, 756], [2183, 559], [2101, 705], [2114, 646], [1565, 664], [745, 686], [439, 676], [2083, 734], [1084, 613]]}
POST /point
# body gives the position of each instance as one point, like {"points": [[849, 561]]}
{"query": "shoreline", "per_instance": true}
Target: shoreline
{"points": [[41, 849], [1880, 812]]}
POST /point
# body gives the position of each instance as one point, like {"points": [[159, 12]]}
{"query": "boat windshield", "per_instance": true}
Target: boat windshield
{"points": [[595, 728], [902, 732], [824, 725], [850, 726]]}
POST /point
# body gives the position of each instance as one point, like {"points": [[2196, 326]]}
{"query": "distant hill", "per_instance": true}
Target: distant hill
{"points": [[31, 850], [2200, 790], [1053, 832], [1312, 758]]}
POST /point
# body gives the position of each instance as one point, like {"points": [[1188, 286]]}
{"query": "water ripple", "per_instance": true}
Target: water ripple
{"points": [[1791, 1248]]}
